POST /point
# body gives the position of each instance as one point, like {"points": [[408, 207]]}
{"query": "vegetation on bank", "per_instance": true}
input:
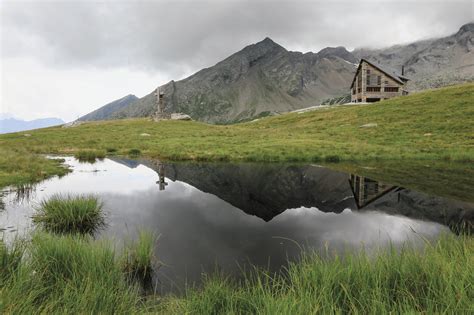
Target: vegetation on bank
{"points": [[70, 214], [437, 280], [21, 168], [432, 125], [89, 156], [72, 273], [69, 271], [64, 274]]}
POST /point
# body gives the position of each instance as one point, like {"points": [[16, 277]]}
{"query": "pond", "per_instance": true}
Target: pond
{"points": [[227, 217]]}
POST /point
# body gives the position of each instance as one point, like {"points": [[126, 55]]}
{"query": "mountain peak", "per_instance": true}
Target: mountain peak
{"points": [[469, 27], [267, 42], [339, 51]]}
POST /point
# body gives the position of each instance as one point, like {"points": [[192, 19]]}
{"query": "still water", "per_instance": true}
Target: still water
{"points": [[226, 216]]}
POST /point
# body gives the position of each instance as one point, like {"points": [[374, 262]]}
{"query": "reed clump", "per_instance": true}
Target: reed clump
{"points": [[70, 214], [89, 156], [67, 274], [138, 256]]}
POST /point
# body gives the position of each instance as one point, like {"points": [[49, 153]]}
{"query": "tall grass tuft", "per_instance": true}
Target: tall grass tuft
{"points": [[138, 256], [70, 214], [134, 152], [89, 156], [68, 274], [10, 258]]}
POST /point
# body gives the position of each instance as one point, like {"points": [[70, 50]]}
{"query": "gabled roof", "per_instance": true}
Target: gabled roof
{"points": [[388, 71]]}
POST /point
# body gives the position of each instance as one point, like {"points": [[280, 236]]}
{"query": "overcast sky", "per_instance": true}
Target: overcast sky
{"points": [[66, 58]]}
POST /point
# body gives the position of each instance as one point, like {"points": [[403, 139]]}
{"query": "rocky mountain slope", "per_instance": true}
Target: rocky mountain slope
{"points": [[430, 63], [261, 79], [265, 78], [106, 111]]}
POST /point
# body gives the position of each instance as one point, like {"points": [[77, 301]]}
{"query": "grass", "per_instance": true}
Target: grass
{"points": [[67, 274], [73, 273], [438, 280], [431, 125], [89, 156], [21, 168], [138, 256], [70, 214]]}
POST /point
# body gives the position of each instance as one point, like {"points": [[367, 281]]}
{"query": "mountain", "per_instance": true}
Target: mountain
{"points": [[13, 125], [264, 78], [260, 79], [430, 63], [107, 110]]}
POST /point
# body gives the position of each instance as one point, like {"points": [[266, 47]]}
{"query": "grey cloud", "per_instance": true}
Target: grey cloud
{"points": [[183, 36]]}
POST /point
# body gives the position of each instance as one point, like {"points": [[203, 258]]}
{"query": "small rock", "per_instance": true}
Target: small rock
{"points": [[369, 125], [428, 134], [180, 116], [144, 134], [73, 124], [27, 135]]}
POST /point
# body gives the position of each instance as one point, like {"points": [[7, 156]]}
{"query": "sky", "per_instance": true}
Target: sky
{"points": [[66, 58]]}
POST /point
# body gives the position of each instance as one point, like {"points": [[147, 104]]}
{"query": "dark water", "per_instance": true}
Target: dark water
{"points": [[225, 216]]}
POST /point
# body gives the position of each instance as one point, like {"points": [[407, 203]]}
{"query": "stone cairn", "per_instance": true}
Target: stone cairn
{"points": [[160, 109], [160, 106]]}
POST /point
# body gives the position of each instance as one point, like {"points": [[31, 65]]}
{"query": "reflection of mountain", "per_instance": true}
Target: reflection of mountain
{"points": [[374, 195], [268, 190]]}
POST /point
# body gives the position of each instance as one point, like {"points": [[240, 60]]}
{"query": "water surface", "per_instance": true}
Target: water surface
{"points": [[227, 216]]}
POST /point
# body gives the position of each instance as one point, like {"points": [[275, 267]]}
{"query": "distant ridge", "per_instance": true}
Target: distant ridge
{"points": [[8, 125]]}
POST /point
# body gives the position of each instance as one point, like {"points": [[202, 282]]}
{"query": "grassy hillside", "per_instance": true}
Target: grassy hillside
{"points": [[434, 125]]}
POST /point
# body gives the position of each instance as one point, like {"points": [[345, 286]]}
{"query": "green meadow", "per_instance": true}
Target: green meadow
{"points": [[431, 125]]}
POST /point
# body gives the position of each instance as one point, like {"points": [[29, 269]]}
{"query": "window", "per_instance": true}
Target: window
{"points": [[386, 82], [372, 89], [379, 80], [368, 71], [368, 80], [391, 89]]}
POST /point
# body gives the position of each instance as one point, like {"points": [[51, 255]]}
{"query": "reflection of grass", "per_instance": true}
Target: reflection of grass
{"points": [[67, 214], [443, 178], [89, 156]]}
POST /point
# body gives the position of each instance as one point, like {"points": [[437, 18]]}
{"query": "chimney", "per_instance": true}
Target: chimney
{"points": [[403, 70]]}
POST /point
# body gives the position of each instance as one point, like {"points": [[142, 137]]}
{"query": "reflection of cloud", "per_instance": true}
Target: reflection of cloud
{"points": [[198, 230]]}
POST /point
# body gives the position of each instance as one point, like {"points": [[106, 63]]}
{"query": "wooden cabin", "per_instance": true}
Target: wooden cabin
{"points": [[373, 83]]}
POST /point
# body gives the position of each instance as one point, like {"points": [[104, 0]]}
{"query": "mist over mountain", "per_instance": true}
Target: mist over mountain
{"points": [[13, 125], [264, 78]]}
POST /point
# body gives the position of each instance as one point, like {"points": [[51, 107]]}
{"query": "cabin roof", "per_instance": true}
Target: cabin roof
{"points": [[388, 71]]}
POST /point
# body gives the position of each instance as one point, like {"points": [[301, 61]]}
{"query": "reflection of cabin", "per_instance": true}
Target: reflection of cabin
{"points": [[366, 190], [373, 83]]}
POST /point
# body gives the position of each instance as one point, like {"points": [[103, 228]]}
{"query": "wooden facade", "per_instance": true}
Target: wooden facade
{"points": [[373, 83]]}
